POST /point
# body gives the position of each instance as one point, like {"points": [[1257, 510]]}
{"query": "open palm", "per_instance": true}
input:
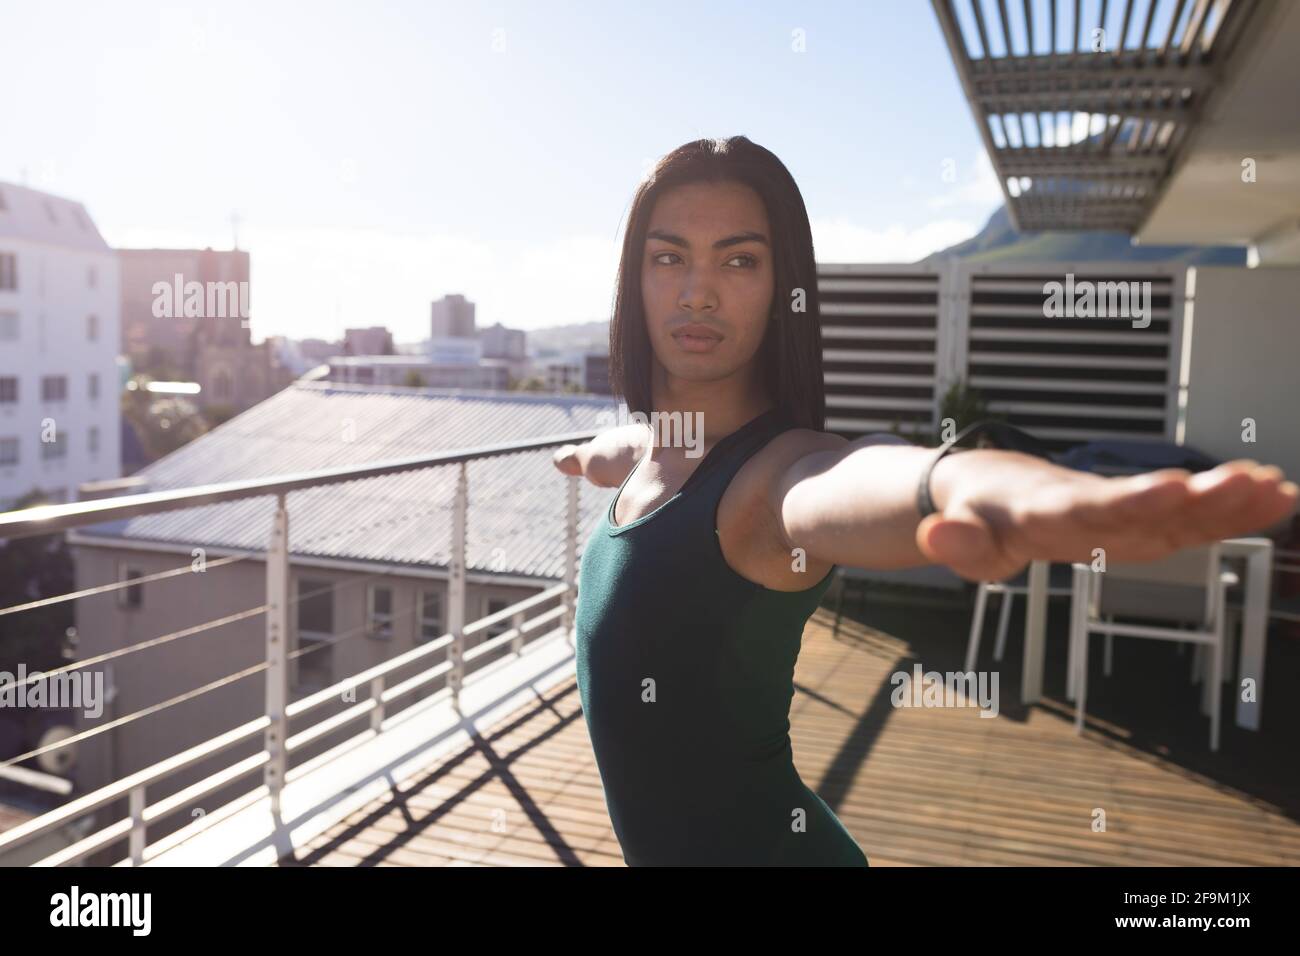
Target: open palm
{"points": [[991, 530]]}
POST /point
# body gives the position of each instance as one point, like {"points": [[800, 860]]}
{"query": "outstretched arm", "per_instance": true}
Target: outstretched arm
{"points": [[605, 460], [999, 510]]}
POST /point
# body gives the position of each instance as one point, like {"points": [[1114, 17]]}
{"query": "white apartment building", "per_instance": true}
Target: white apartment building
{"points": [[59, 340]]}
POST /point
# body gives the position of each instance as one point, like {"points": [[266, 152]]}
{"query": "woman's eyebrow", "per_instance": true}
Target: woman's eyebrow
{"points": [[720, 244]]}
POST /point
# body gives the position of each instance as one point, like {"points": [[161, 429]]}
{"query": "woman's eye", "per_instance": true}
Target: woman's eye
{"points": [[746, 261]]}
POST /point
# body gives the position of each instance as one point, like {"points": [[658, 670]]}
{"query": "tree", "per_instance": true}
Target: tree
{"points": [[963, 404], [413, 379], [162, 424]]}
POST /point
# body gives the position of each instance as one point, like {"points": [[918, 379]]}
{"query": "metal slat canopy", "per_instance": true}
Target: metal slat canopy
{"points": [[1140, 100]]}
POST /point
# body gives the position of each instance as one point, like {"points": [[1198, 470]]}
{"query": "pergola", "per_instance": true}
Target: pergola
{"points": [[1084, 121]]}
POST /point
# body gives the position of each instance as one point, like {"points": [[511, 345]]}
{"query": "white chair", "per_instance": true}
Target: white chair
{"points": [[1059, 586], [1187, 589]]}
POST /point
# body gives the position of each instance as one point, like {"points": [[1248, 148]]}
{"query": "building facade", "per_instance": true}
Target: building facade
{"points": [[185, 314], [60, 419], [452, 316]]}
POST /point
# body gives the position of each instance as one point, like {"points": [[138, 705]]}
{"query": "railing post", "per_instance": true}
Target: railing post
{"points": [[137, 826], [377, 695], [517, 643], [456, 587], [571, 559], [277, 637]]}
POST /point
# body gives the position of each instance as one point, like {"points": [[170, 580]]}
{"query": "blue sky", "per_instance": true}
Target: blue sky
{"points": [[380, 155]]}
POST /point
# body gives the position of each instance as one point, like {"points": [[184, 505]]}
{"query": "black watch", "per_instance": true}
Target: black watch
{"points": [[1004, 436]]}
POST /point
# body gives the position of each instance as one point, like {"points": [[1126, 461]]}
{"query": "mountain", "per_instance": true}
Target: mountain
{"points": [[560, 339], [998, 241]]}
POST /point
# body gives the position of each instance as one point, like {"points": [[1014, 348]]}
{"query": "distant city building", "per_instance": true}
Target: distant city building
{"points": [[559, 372], [414, 371], [150, 339], [185, 315], [503, 343], [595, 373], [448, 350], [60, 418], [452, 316], [317, 351], [375, 340]]}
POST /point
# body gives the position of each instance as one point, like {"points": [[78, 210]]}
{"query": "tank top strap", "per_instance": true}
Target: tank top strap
{"points": [[731, 452]]}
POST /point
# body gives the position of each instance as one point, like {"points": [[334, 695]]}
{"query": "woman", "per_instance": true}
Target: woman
{"points": [[696, 585]]}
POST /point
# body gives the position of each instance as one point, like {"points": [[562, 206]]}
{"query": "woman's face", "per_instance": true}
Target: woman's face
{"points": [[708, 262]]}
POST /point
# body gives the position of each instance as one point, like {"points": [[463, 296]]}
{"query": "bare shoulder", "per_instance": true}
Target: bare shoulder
{"points": [[757, 480], [747, 524]]}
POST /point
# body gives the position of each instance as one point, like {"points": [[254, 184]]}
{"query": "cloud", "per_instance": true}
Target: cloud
{"points": [[979, 187]]}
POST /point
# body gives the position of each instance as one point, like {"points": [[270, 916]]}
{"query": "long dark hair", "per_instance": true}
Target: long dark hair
{"points": [[790, 356]]}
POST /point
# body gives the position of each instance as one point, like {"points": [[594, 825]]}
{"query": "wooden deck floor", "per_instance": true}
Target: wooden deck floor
{"points": [[916, 786]]}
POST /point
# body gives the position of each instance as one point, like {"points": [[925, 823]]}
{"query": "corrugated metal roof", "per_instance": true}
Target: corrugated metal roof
{"points": [[516, 503]]}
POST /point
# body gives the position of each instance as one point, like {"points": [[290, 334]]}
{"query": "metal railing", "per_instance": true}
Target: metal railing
{"points": [[528, 624]]}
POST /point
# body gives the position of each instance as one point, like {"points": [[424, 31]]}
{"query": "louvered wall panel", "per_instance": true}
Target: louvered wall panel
{"points": [[879, 340], [894, 338], [1073, 380]]}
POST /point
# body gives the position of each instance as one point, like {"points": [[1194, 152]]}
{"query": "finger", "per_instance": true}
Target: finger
{"points": [[1112, 506], [1242, 497]]}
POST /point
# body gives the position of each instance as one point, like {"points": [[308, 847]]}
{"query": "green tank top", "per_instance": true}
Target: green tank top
{"points": [[686, 673]]}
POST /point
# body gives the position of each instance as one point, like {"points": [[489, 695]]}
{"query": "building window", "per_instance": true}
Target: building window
{"points": [[430, 615], [92, 328], [8, 389], [8, 451], [58, 448], [91, 277], [8, 326], [94, 439], [379, 614], [8, 271], [92, 386], [54, 388], [132, 596], [315, 665], [494, 605], [49, 211]]}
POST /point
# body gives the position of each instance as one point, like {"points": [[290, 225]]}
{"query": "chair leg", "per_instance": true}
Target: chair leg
{"points": [[1106, 656], [1004, 618], [976, 625], [1208, 687], [839, 605], [1078, 619], [1215, 683], [1230, 645], [1080, 679]]}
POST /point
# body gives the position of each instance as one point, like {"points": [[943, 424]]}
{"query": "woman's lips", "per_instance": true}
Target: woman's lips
{"points": [[696, 339]]}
